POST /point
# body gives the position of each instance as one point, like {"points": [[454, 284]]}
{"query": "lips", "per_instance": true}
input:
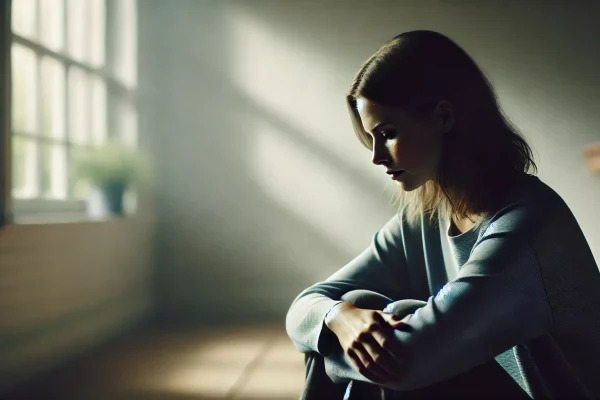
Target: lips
{"points": [[395, 174], [400, 171]]}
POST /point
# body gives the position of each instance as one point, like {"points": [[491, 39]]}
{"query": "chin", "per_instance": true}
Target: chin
{"points": [[409, 186]]}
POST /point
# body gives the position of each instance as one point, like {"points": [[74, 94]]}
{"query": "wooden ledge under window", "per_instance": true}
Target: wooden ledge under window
{"points": [[592, 157]]}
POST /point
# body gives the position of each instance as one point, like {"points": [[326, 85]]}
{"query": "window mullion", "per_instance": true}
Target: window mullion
{"points": [[110, 51], [89, 87], [66, 113], [37, 189]]}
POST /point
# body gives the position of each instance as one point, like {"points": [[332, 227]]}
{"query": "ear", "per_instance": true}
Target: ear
{"points": [[444, 112]]}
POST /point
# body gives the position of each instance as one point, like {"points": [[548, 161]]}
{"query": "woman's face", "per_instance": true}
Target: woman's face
{"points": [[408, 147]]}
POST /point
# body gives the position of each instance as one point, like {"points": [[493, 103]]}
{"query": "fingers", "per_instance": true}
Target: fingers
{"points": [[382, 358], [364, 363], [390, 319], [386, 341], [374, 352], [384, 336], [395, 323], [372, 347], [393, 320]]}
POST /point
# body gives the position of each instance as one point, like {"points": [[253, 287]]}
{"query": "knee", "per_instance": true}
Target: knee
{"points": [[366, 299], [402, 308]]}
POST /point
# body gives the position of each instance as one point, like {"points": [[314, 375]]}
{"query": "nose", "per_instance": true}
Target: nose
{"points": [[380, 154]]}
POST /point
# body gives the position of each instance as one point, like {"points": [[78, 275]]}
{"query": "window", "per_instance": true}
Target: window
{"points": [[73, 73]]}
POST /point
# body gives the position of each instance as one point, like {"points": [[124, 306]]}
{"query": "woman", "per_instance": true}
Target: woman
{"points": [[483, 284]]}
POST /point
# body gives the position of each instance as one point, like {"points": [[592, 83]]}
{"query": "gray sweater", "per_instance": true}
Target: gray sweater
{"points": [[523, 288]]}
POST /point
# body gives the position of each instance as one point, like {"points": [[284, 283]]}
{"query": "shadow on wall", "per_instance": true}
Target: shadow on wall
{"points": [[252, 209]]}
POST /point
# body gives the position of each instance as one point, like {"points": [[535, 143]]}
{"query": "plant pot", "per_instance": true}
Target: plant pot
{"points": [[113, 195]]}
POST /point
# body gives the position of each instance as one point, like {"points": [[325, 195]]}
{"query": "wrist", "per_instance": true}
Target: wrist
{"points": [[334, 314]]}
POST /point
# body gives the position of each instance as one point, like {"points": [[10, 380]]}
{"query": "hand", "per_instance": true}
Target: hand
{"points": [[366, 336]]}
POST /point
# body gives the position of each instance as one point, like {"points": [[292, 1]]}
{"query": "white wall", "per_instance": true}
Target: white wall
{"points": [[263, 187]]}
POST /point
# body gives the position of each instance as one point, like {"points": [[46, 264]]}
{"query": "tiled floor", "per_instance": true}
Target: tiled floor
{"points": [[241, 363]]}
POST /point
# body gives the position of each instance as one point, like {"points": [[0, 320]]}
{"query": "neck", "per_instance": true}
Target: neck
{"points": [[460, 225]]}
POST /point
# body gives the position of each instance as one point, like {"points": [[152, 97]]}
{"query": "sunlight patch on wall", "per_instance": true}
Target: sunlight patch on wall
{"points": [[309, 188], [284, 76]]}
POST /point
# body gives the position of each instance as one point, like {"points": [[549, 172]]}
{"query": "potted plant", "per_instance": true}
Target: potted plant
{"points": [[113, 167]]}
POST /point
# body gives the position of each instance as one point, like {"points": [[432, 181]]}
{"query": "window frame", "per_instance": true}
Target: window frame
{"points": [[115, 90], [5, 116]]}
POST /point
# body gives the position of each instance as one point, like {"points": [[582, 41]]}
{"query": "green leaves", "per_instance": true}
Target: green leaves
{"points": [[111, 162]]}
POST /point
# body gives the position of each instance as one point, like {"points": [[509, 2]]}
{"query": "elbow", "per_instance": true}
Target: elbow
{"points": [[292, 328], [289, 318]]}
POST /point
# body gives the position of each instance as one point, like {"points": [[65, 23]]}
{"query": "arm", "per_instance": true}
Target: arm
{"points": [[380, 268], [496, 302]]}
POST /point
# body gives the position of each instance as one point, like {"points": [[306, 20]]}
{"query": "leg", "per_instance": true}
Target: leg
{"points": [[367, 299], [318, 385], [488, 380]]}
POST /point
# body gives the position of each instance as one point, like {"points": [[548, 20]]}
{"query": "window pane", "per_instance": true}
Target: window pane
{"points": [[23, 17], [78, 105], [54, 171], [76, 23], [51, 23], [25, 168], [53, 98], [98, 110], [126, 42], [78, 189], [24, 90], [127, 122], [97, 27]]}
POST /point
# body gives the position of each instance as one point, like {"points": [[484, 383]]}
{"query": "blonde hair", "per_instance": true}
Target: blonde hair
{"points": [[480, 156]]}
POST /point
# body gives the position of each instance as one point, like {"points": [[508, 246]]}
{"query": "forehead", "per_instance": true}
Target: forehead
{"points": [[366, 106], [372, 113]]}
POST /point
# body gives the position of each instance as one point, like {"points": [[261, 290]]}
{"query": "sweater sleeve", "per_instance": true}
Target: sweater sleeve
{"points": [[380, 268], [496, 302]]}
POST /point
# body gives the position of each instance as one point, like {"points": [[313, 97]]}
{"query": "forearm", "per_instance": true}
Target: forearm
{"points": [[306, 317]]}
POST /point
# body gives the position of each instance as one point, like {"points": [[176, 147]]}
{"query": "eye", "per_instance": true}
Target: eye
{"points": [[388, 134]]}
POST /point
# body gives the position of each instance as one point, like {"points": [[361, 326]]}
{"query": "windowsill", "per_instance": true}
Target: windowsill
{"points": [[45, 206], [69, 211], [61, 218]]}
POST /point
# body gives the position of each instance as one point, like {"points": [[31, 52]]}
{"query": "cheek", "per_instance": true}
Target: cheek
{"points": [[405, 145], [397, 150], [406, 150], [416, 152]]}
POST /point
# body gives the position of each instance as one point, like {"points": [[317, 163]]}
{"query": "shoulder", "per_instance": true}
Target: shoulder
{"points": [[402, 232], [530, 206]]}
